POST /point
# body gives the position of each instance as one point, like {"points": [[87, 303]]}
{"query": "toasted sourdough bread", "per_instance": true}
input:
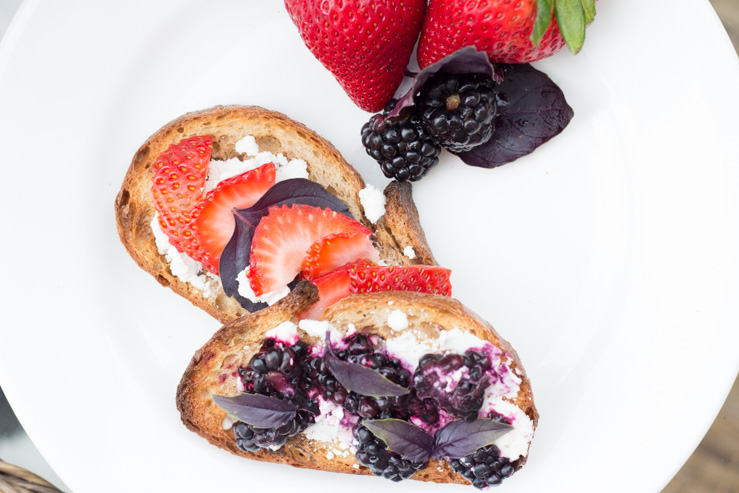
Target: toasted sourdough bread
{"points": [[397, 229], [213, 369]]}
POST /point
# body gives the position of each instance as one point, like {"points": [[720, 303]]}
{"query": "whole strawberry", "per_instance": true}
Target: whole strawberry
{"points": [[366, 44], [509, 31]]}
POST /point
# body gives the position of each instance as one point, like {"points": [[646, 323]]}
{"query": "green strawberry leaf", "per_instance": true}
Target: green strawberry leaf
{"points": [[543, 20], [589, 8], [570, 16]]}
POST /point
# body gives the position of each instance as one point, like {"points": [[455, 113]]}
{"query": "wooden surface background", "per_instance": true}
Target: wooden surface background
{"points": [[714, 466]]}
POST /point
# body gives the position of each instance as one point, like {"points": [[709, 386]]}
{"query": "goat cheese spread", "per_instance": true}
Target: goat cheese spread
{"points": [[183, 267], [373, 202]]}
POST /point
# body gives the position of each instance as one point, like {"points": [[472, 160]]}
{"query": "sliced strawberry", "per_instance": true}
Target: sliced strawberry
{"points": [[420, 278], [177, 184], [212, 219], [332, 287], [363, 277], [334, 251], [283, 237]]}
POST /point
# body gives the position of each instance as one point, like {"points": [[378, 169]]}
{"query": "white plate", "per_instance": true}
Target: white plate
{"points": [[608, 257]]}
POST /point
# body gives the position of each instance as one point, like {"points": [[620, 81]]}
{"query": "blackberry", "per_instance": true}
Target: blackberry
{"points": [[404, 148], [425, 409], [372, 453], [361, 350], [276, 370], [468, 374], [251, 439], [499, 418], [483, 468], [458, 110]]}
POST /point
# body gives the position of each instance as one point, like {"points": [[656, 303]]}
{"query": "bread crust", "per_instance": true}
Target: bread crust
{"points": [[212, 367], [275, 132], [401, 227]]}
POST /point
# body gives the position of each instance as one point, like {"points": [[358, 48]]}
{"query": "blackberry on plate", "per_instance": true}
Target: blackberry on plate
{"points": [[456, 382], [403, 147], [373, 453], [483, 468], [458, 110]]}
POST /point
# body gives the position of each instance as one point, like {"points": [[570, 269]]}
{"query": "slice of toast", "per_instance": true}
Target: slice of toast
{"points": [[214, 370], [398, 229]]}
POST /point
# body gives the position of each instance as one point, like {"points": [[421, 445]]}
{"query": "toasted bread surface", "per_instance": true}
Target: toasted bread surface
{"points": [[274, 132], [214, 369]]}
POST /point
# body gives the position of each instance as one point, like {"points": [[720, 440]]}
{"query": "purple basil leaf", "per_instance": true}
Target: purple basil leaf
{"points": [[460, 438], [235, 256], [362, 380], [234, 259], [297, 191], [402, 437], [531, 110], [257, 410], [358, 378], [464, 61]]}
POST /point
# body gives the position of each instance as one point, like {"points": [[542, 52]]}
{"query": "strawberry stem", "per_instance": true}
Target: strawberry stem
{"points": [[452, 102]]}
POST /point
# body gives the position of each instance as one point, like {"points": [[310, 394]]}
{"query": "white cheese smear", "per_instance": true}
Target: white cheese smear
{"points": [[409, 252], [397, 320], [373, 202], [183, 267]]}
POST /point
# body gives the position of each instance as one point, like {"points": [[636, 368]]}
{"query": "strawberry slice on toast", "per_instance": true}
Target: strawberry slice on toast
{"points": [[212, 225], [178, 183], [364, 277], [334, 251], [283, 238]]}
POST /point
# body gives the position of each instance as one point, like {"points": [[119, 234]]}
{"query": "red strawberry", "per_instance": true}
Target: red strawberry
{"points": [[365, 44], [332, 287], [508, 31], [177, 184], [213, 223], [283, 237], [363, 277], [334, 251], [419, 278]]}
